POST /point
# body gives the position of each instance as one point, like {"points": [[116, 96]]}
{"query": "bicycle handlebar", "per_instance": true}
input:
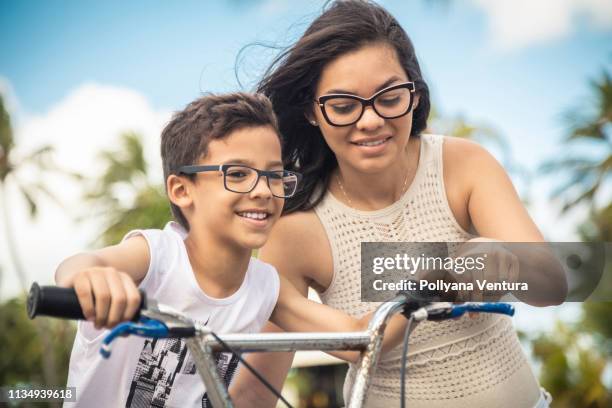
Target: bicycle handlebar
{"points": [[160, 321], [63, 303]]}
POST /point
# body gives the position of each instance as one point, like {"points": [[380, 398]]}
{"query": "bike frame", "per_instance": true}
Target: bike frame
{"points": [[161, 321], [204, 345]]}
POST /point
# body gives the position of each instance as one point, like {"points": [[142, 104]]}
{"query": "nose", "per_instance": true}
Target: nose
{"points": [[370, 120], [261, 189]]}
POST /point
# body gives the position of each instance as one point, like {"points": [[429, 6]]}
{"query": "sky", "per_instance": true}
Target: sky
{"points": [[76, 74]]}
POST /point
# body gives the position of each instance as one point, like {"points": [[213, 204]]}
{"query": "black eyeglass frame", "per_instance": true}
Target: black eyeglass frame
{"points": [[194, 169], [367, 102]]}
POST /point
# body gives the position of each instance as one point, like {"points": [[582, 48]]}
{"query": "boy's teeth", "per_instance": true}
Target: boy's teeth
{"points": [[379, 142], [254, 215]]}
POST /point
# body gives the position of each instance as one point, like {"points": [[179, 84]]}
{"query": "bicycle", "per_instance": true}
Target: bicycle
{"points": [[160, 321]]}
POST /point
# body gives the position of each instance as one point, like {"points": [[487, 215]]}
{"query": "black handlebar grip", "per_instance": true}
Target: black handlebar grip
{"points": [[59, 302]]}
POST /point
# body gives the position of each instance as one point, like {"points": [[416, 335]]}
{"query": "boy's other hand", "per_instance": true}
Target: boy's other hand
{"points": [[107, 296]]}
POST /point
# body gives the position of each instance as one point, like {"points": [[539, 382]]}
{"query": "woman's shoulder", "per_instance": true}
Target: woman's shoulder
{"points": [[296, 241], [464, 157], [298, 219], [299, 233], [466, 164]]}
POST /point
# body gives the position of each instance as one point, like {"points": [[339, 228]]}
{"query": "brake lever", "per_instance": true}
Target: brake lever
{"points": [[176, 324], [157, 321]]}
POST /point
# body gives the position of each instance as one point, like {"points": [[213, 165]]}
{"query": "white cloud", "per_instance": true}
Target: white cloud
{"points": [[516, 24], [87, 120]]}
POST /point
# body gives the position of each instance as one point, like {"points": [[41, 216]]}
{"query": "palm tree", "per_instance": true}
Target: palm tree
{"points": [[126, 170], [576, 356], [10, 164], [590, 125]]}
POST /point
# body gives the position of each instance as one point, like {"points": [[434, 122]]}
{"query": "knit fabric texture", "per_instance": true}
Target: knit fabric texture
{"points": [[448, 362]]}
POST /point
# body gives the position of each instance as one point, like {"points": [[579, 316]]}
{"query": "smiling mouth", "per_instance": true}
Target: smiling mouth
{"points": [[373, 143], [254, 215]]}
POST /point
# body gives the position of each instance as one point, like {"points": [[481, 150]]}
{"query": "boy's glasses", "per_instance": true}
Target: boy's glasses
{"points": [[238, 178], [347, 109]]}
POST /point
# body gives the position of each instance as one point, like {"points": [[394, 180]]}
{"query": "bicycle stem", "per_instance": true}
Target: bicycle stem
{"points": [[369, 358]]}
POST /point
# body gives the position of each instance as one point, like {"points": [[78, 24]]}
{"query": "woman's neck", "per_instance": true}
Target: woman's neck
{"points": [[373, 191], [218, 267]]}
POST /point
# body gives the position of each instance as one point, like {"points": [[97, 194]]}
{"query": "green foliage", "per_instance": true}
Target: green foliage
{"points": [[21, 359], [9, 165], [575, 357], [590, 124], [573, 364], [28, 354], [598, 320], [150, 210], [123, 194], [598, 227], [6, 139]]}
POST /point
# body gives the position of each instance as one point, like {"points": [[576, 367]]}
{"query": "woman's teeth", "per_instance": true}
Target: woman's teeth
{"points": [[254, 215], [376, 143]]}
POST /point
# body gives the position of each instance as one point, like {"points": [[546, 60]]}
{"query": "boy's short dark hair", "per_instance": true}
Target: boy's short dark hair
{"points": [[185, 138]]}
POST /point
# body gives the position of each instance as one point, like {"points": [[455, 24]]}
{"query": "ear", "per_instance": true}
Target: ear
{"points": [[179, 192], [417, 98], [310, 117]]}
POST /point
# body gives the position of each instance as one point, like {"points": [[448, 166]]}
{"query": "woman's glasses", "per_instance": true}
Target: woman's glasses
{"points": [[388, 103], [243, 179]]}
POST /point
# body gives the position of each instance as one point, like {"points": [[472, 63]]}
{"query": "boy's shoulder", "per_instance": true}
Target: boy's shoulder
{"points": [[166, 252], [261, 268], [155, 237]]}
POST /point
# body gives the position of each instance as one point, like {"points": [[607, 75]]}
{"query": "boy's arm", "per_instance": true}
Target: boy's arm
{"points": [[295, 313], [108, 275]]}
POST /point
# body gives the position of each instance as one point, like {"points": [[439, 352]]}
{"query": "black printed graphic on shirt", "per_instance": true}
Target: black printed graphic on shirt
{"points": [[226, 367], [160, 361]]}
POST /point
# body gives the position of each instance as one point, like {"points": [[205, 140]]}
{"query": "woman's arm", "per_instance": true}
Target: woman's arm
{"points": [[294, 248], [496, 211], [295, 313]]}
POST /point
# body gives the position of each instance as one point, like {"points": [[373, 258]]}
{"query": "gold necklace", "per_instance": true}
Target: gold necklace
{"points": [[348, 200]]}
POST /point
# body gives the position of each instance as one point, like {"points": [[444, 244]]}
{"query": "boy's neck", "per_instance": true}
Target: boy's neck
{"points": [[219, 268]]}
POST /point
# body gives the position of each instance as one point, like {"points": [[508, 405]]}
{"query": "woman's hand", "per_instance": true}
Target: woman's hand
{"points": [[498, 265]]}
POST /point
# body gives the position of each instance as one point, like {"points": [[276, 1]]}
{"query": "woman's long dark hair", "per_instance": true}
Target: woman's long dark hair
{"points": [[291, 79]]}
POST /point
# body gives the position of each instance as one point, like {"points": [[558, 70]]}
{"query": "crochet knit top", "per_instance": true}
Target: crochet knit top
{"points": [[468, 362]]}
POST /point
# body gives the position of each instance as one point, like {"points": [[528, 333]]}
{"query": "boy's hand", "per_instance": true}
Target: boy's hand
{"points": [[107, 296]]}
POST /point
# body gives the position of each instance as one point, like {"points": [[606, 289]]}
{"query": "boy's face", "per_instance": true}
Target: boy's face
{"points": [[238, 219]]}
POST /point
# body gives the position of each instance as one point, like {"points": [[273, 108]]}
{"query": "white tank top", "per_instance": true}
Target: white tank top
{"points": [[143, 372], [469, 362]]}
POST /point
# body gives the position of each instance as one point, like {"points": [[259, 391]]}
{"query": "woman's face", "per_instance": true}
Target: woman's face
{"points": [[373, 143]]}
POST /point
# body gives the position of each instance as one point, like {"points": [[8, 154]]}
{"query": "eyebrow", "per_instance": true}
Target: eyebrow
{"points": [[249, 163], [384, 85]]}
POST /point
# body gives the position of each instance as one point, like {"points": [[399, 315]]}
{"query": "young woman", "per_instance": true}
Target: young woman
{"points": [[352, 106]]}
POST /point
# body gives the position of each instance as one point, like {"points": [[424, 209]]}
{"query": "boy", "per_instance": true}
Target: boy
{"points": [[226, 185]]}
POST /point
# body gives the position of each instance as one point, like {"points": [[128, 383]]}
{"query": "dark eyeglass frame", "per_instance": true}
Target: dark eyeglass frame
{"points": [[194, 169], [365, 102]]}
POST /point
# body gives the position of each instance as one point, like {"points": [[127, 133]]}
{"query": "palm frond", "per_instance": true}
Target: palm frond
{"points": [[41, 189], [39, 154], [567, 164], [588, 123], [29, 197], [7, 140]]}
